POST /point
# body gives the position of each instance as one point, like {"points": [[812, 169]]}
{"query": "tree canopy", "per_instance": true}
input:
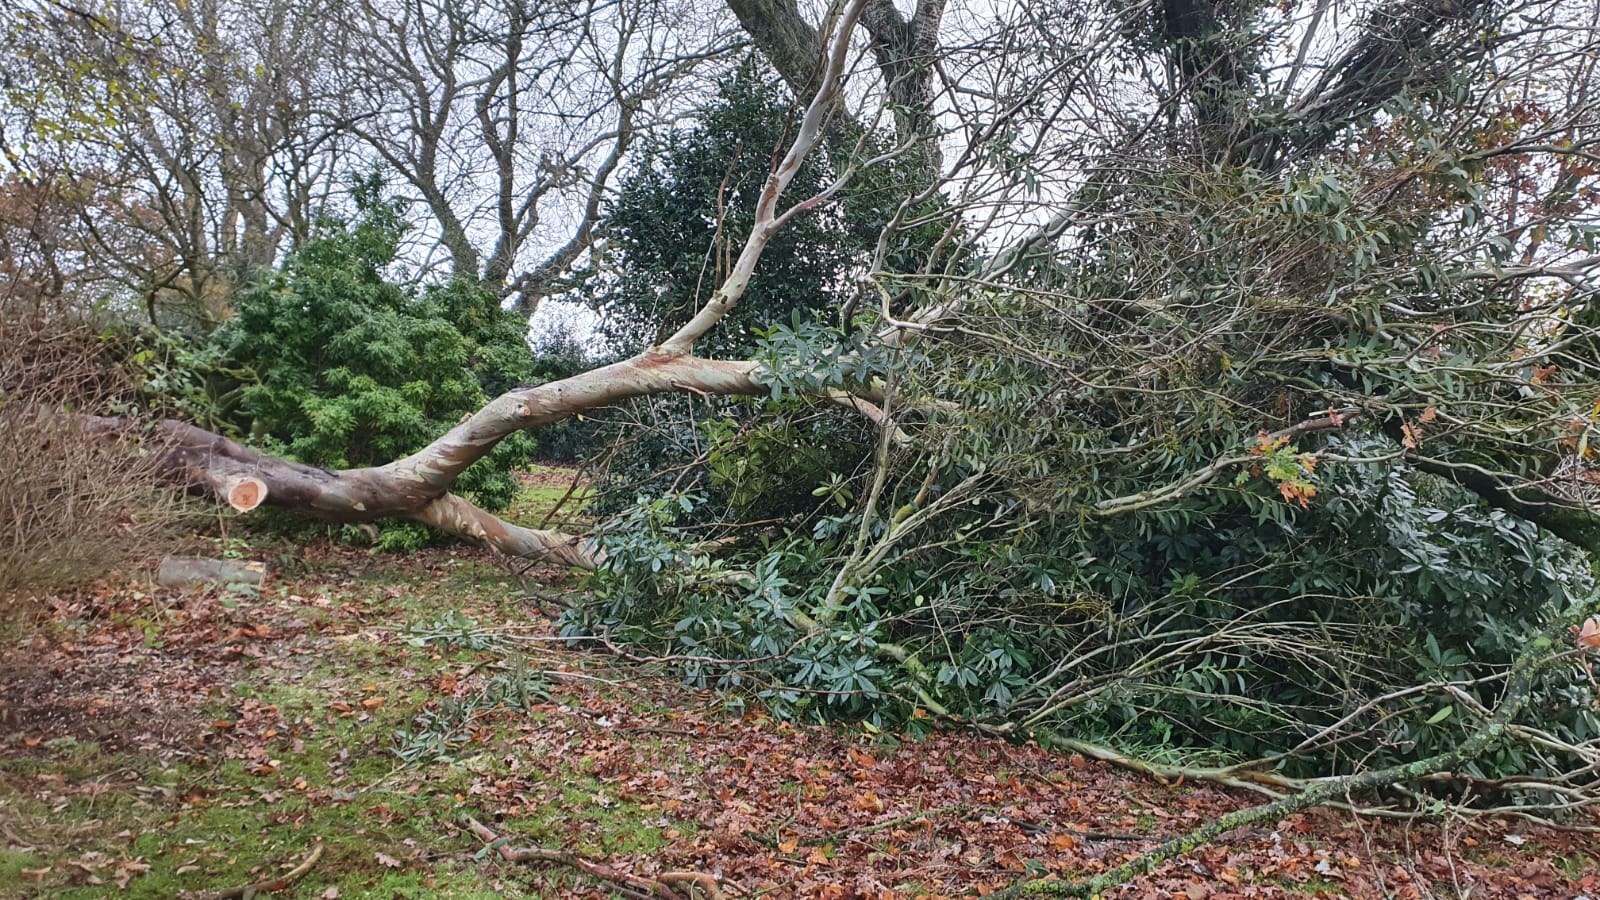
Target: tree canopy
{"points": [[670, 232]]}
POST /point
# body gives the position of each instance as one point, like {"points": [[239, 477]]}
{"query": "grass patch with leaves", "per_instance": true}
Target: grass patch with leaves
{"points": [[310, 735]]}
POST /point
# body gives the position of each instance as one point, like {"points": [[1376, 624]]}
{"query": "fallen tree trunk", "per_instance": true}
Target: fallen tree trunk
{"points": [[417, 487]]}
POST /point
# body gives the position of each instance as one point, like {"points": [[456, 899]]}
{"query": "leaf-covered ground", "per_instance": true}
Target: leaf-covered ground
{"points": [[155, 742]]}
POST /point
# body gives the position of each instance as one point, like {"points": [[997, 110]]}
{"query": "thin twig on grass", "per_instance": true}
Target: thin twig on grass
{"points": [[276, 883], [628, 885]]}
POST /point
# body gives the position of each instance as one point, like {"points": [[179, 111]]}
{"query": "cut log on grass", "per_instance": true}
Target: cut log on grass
{"points": [[243, 492], [188, 571]]}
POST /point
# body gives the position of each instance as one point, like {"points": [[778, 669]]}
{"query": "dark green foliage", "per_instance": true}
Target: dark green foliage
{"points": [[746, 461], [559, 355], [177, 376], [1305, 584], [1398, 578], [678, 222], [683, 215], [1235, 620], [354, 370]]}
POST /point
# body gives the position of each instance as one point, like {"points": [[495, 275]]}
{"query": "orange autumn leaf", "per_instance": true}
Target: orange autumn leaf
{"points": [[1589, 634], [1297, 492], [1412, 436], [1266, 443], [869, 801]]}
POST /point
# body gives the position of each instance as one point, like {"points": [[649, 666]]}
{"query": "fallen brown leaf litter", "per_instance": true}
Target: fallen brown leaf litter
{"points": [[613, 780]]}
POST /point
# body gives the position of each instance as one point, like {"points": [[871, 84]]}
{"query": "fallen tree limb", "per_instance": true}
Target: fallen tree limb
{"points": [[276, 883], [1333, 419], [417, 487], [701, 884], [1268, 783], [1525, 673], [454, 514]]}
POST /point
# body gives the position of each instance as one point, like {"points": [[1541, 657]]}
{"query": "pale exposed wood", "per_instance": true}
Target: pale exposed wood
{"points": [[455, 515], [418, 486], [810, 132], [244, 492]]}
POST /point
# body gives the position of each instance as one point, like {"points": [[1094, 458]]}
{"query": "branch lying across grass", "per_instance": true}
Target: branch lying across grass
{"points": [[1525, 673], [636, 886]]}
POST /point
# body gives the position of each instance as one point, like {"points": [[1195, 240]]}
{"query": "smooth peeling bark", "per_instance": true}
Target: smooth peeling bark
{"points": [[418, 486], [213, 464], [439, 464], [454, 515]]}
